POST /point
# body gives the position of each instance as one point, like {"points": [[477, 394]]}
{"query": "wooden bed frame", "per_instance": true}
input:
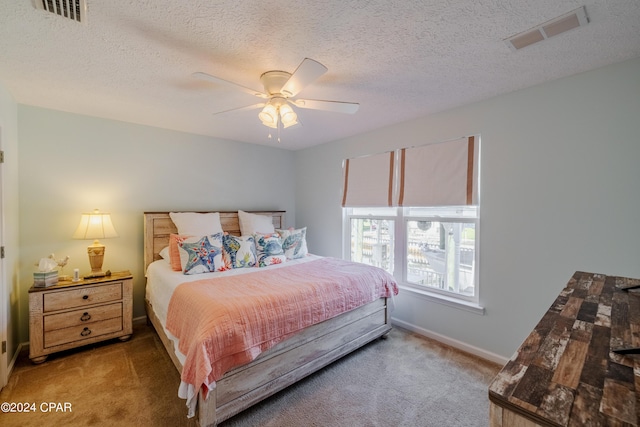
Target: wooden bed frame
{"points": [[282, 365]]}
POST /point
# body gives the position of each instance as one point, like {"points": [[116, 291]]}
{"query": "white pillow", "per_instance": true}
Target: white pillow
{"points": [[197, 224], [164, 253], [254, 223]]}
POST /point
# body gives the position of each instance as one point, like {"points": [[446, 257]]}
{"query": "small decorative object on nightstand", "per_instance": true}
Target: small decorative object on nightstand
{"points": [[72, 314]]}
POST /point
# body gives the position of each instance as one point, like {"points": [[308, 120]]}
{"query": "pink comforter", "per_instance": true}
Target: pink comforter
{"points": [[226, 322]]}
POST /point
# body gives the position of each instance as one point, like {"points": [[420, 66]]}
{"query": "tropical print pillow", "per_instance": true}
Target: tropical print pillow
{"points": [[269, 249], [201, 254], [294, 242], [239, 251]]}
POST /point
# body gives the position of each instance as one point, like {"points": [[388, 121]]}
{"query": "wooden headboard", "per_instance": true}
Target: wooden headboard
{"points": [[158, 226]]}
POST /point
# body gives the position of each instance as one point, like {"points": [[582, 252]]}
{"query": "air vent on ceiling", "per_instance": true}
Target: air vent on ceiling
{"points": [[574, 19], [73, 9]]}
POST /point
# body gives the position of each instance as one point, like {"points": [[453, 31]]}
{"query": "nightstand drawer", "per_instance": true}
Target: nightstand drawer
{"points": [[82, 296], [82, 317], [82, 332]]}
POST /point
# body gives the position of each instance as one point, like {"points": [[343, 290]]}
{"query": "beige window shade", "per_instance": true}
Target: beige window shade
{"points": [[439, 174], [368, 181]]}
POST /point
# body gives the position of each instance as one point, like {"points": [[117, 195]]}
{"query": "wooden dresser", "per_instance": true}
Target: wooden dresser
{"points": [[72, 314], [565, 373]]}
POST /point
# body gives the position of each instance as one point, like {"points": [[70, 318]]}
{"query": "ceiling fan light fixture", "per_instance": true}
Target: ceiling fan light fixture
{"points": [[269, 116], [288, 116], [280, 89]]}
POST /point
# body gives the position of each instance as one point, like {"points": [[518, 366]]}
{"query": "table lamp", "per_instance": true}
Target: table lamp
{"points": [[93, 226]]}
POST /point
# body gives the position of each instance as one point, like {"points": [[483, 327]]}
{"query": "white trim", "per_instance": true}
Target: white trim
{"points": [[140, 319], [4, 292], [14, 359], [445, 299], [476, 351]]}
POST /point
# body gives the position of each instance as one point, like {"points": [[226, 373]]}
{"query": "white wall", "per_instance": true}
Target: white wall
{"points": [[71, 164], [10, 299], [560, 192]]}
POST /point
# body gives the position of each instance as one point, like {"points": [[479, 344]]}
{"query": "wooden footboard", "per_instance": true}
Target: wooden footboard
{"points": [[287, 362]]}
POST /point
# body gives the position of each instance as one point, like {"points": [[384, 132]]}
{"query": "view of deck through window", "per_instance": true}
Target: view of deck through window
{"points": [[428, 248]]}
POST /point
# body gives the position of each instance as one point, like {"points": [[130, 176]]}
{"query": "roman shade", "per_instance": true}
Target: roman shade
{"points": [[442, 174], [368, 180]]}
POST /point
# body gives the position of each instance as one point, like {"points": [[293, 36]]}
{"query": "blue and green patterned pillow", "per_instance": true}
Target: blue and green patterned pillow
{"points": [[239, 251], [269, 249], [201, 254], [294, 242]]}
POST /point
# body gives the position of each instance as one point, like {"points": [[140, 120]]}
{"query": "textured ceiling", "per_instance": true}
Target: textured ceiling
{"points": [[132, 60]]}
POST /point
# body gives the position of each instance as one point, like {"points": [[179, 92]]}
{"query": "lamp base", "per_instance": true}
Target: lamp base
{"points": [[96, 256]]}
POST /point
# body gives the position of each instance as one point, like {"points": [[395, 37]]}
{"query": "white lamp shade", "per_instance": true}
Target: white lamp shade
{"points": [[288, 116], [269, 116], [95, 225]]}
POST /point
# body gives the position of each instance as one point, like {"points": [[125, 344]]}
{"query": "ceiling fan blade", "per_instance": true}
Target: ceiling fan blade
{"points": [[334, 106], [308, 71], [218, 80], [247, 108]]}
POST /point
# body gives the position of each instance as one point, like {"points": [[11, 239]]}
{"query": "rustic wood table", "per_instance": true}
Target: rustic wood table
{"points": [[566, 372]]}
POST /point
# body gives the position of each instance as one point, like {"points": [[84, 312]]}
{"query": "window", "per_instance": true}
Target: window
{"points": [[431, 249], [372, 236], [414, 212], [440, 252]]}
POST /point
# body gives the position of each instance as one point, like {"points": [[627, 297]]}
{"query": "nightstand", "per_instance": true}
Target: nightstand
{"points": [[73, 314]]}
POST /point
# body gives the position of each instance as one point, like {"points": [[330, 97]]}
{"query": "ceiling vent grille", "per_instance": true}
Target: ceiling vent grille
{"points": [[574, 19], [75, 10]]}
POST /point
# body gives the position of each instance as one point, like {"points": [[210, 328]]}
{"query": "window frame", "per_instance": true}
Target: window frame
{"points": [[346, 234], [400, 252], [463, 220]]}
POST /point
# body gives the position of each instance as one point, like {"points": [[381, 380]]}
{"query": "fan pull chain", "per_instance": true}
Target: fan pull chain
{"points": [[279, 126]]}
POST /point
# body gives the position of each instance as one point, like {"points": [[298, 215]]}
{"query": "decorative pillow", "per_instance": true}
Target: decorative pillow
{"points": [[164, 253], [254, 223], [197, 224], [174, 253], [269, 249], [239, 252], [201, 254], [294, 242]]}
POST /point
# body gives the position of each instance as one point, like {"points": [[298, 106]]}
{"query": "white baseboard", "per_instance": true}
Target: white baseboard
{"points": [[484, 354], [138, 320], [14, 359]]}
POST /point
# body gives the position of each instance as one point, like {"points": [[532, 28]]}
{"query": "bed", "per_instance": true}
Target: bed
{"points": [[299, 355]]}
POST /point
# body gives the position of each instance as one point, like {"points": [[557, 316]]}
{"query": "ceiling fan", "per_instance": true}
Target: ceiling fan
{"points": [[280, 90]]}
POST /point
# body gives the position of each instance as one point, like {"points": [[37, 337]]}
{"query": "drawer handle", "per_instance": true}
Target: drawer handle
{"points": [[85, 297], [85, 332], [85, 317]]}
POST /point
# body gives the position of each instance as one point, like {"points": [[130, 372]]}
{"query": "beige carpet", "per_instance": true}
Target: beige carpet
{"points": [[405, 380]]}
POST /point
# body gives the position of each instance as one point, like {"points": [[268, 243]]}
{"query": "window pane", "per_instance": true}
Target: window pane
{"points": [[441, 255], [372, 242]]}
